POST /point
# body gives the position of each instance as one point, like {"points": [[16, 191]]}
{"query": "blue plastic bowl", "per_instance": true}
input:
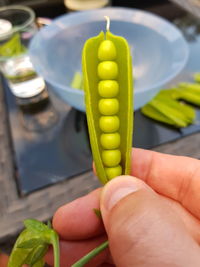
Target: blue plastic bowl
{"points": [[158, 48]]}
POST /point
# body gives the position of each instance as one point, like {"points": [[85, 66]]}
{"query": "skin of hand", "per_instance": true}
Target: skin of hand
{"points": [[3, 260], [152, 220]]}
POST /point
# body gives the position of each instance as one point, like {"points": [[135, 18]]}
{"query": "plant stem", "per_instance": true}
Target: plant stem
{"points": [[56, 250], [90, 255]]}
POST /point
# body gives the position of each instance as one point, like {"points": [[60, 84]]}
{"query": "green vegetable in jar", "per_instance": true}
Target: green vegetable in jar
{"points": [[12, 47]]}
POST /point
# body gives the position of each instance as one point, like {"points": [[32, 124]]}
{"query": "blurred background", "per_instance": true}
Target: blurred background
{"points": [[53, 8], [45, 142]]}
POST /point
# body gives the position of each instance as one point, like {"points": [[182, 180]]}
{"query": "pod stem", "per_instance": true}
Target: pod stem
{"points": [[90, 255], [56, 250], [107, 23]]}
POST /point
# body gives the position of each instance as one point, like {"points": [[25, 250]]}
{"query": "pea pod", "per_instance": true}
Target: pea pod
{"points": [[166, 108], [194, 87], [185, 109], [151, 112], [190, 96], [107, 71]]}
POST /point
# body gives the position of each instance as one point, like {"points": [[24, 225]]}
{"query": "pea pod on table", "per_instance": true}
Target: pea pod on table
{"points": [[107, 71]]}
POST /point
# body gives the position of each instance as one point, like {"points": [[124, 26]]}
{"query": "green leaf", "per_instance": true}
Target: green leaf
{"points": [[37, 254], [31, 243], [40, 263], [18, 256], [35, 225]]}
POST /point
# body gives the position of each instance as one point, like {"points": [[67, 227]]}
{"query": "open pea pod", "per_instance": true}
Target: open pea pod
{"points": [[151, 112], [108, 85], [185, 109]]}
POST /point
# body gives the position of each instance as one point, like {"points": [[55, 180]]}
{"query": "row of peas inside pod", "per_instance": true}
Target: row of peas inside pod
{"points": [[169, 106], [107, 71], [108, 89]]}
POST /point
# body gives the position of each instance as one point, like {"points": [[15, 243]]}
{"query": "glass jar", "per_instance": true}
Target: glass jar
{"points": [[17, 27], [78, 5]]}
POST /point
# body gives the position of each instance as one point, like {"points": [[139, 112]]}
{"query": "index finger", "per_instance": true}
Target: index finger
{"points": [[176, 177], [77, 219]]}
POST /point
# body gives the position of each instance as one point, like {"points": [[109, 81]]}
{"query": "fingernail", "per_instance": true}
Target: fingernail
{"points": [[119, 188]]}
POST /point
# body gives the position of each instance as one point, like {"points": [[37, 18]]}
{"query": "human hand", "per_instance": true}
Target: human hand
{"points": [[152, 220], [3, 260]]}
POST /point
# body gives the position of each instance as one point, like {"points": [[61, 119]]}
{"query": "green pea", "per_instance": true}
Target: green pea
{"points": [[108, 70], [113, 172], [107, 51], [110, 141], [109, 124], [108, 88], [111, 158], [109, 106]]}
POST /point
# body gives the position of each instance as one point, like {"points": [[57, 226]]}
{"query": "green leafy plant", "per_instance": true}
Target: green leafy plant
{"points": [[32, 244]]}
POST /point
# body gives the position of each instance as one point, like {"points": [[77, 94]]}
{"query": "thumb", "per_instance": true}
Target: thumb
{"points": [[142, 229]]}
